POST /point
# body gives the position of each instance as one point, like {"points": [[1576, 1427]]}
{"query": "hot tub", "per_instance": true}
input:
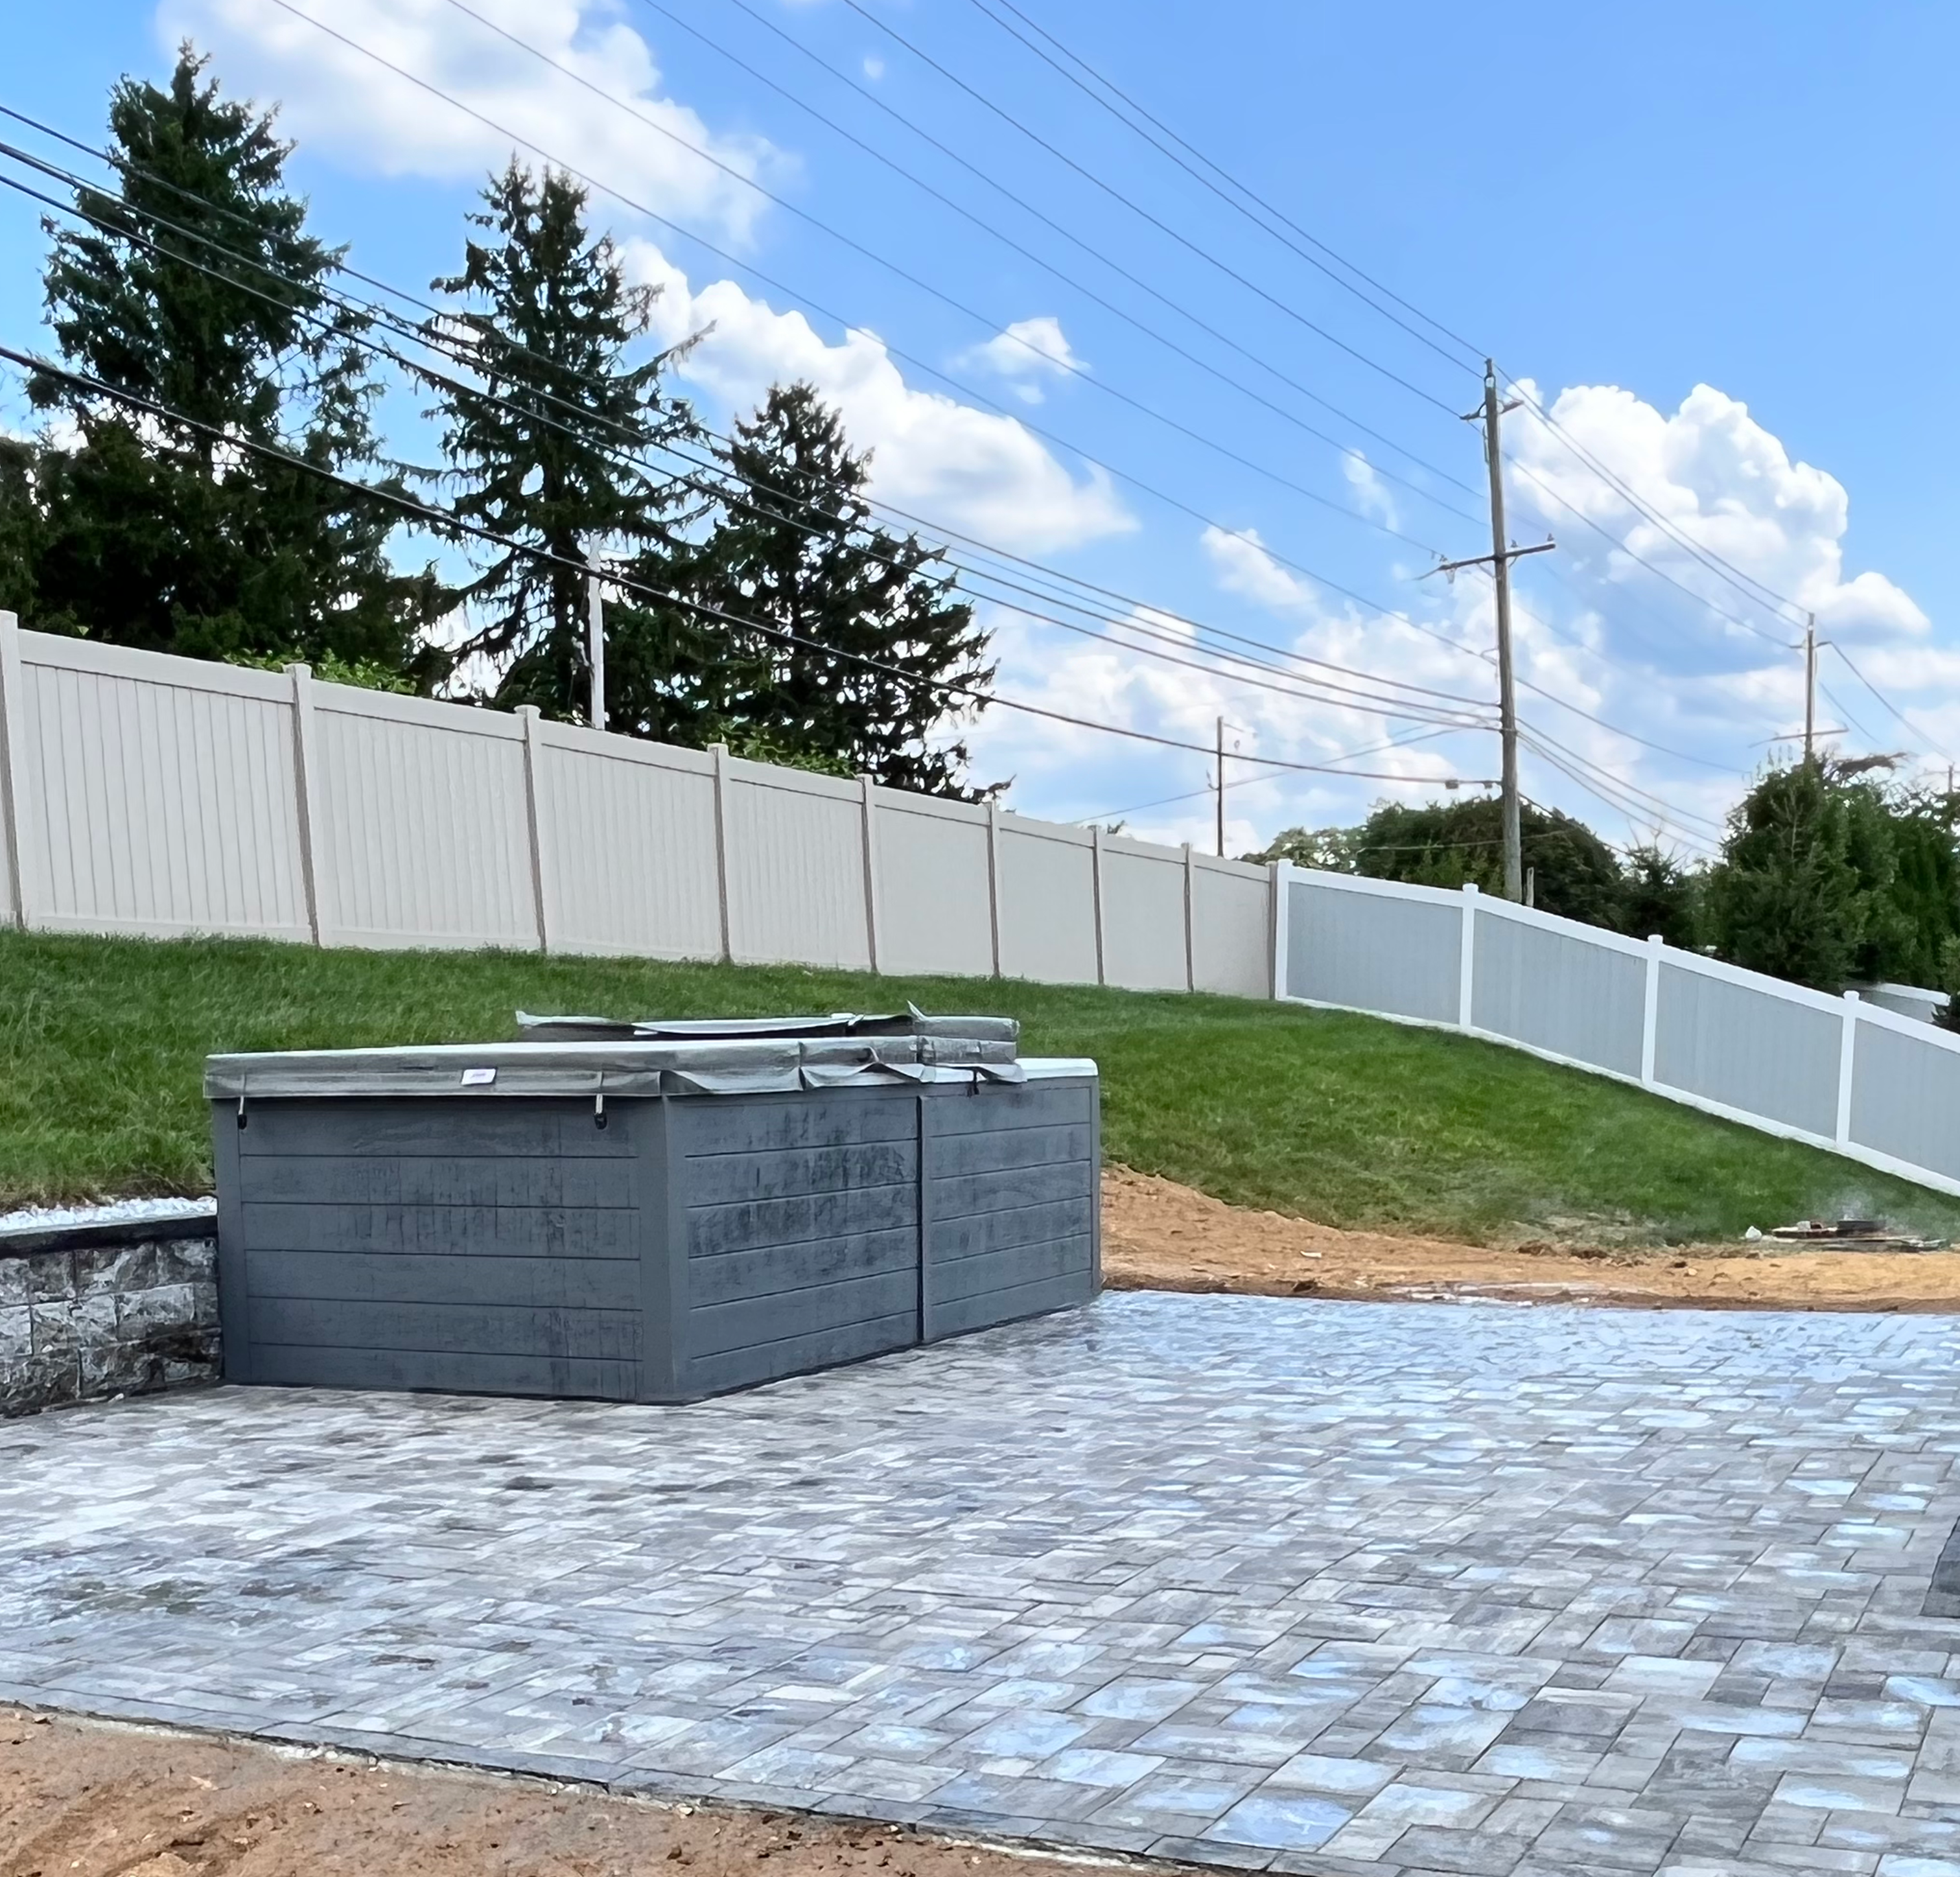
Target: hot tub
{"points": [[652, 1212]]}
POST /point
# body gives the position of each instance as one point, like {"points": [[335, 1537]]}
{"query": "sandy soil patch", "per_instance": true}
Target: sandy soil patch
{"points": [[82, 1799], [1159, 1235]]}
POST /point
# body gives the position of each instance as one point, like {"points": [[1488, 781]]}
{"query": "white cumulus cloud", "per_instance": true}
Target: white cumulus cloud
{"points": [[976, 471], [649, 148], [1721, 484], [1371, 493], [1026, 353]]}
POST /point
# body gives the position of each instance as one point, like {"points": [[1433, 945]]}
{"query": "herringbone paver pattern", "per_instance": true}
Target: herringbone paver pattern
{"points": [[1323, 1587]]}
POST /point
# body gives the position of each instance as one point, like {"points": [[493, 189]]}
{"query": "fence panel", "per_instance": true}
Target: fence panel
{"points": [[426, 833], [147, 792], [155, 807], [1905, 1096], [1572, 993], [629, 846], [1048, 901], [1394, 951], [1143, 915], [1231, 927], [935, 902], [1764, 1050], [795, 856]]}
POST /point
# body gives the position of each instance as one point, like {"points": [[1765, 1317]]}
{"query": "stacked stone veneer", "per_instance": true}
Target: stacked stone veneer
{"points": [[116, 1307]]}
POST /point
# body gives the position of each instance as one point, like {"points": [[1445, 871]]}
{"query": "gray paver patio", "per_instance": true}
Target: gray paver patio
{"points": [[1331, 1588]]}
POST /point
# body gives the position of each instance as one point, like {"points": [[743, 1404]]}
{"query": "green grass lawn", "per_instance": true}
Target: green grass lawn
{"points": [[1345, 1119]]}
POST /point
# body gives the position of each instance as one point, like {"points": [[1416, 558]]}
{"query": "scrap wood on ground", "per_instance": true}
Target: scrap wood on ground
{"points": [[1159, 1236], [88, 1798]]}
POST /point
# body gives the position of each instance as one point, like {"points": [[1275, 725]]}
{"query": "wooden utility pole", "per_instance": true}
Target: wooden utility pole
{"points": [[1809, 687], [1498, 560], [1221, 788], [595, 641], [1507, 700]]}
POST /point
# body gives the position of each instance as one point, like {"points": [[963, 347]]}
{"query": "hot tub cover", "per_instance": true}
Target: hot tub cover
{"points": [[597, 1056], [914, 1023]]}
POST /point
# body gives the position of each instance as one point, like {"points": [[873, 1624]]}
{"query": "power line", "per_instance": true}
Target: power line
{"points": [[1619, 546], [418, 336], [1636, 803], [1304, 689], [1273, 300], [1757, 591], [1634, 813], [1723, 568], [1191, 795], [1157, 123], [1096, 254], [984, 321], [722, 254], [1883, 699], [1715, 563], [447, 523], [1344, 696]]}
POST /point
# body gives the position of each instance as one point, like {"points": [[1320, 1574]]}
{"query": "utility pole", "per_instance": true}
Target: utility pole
{"points": [[1498, 560], [1809, 687], [1221, 788], [595, 643]]}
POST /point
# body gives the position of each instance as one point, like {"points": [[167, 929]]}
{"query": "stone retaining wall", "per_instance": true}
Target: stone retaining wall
{"points": [[121, 1307]]}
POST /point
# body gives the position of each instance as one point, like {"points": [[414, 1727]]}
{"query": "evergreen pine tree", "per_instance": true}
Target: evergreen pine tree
{"points": [[797, 550], [540, 430], [196, 286], [1788, 895]]}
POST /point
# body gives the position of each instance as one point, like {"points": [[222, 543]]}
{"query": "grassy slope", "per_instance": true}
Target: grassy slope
{"points": [[1343, 1119]]}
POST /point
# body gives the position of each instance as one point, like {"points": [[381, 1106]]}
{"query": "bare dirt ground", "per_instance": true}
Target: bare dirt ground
{"points": [[82, 1799], [1159, 1235]]}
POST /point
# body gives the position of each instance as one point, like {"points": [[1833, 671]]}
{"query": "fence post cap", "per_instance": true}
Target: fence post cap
{"points": [[1470, 886], [1655, 940], [297, 668], [1851, 997]]}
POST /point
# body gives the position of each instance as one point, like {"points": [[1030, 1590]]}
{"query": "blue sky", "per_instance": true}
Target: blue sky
{"points": [[1713, 241]]}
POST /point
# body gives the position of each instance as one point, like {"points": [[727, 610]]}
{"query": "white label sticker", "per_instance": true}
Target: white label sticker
{"points": [[479, 1078]]}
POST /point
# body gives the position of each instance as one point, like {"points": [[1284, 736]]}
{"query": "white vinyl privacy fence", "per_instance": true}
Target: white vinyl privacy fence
{"points": [[151, 795], [1837, 1072]]}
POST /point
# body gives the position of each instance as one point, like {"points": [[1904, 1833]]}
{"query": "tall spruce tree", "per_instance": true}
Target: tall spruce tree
{"points": [[797, 551], [195, 286], [544, 420], [1800, 888]]}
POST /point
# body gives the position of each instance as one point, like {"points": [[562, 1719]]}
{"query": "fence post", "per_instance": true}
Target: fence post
{"points": [[1848, 1056], [534, 724], [13, 766], [1466, 959], [720, 753], [994, 879], [1190, 921], [1095, 894], [306, 791], [1650, 1009], [870, 871], [1280, 924]]}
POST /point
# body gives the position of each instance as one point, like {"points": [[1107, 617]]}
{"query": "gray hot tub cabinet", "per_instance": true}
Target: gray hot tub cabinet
{"points": [[649, 1216]]}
